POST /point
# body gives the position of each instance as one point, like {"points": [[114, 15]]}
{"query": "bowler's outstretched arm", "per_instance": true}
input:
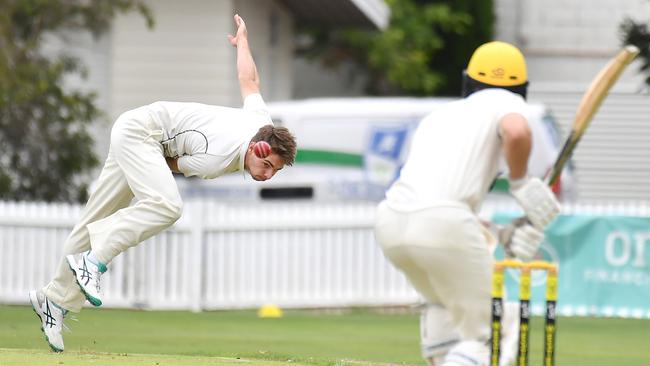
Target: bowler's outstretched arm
{"points": [[249, 82]]}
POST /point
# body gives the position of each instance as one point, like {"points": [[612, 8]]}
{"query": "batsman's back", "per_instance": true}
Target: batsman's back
{"points": [[455, 151]]}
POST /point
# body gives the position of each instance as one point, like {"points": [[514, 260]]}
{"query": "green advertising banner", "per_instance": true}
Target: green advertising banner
{"points": [[603, 266]]}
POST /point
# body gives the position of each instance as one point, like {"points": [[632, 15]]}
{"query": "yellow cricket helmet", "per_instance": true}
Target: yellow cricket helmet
{"points": [[496, 64]]}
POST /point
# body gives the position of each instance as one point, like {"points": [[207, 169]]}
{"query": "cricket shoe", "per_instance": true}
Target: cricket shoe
{"points": [[51, 316], [87, 274]]}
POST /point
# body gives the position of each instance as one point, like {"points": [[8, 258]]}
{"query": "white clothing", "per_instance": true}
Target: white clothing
{"points": [[443, 253], [427, 225], [438, 334], [455, 152], [208, 140], [136, 167]]}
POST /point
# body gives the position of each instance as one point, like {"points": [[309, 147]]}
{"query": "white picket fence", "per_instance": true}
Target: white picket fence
{"points": [[218, 256], [230, 255]]}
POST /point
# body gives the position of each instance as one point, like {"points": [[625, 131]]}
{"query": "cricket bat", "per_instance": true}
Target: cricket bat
{"points": [[591, 101]]}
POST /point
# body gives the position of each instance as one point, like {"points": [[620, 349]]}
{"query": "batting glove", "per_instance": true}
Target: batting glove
{"points": [[526, 241], [520, 239], [537, 200]]}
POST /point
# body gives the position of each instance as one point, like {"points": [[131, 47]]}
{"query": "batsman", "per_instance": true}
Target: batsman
{"points": [[147, 144], [427, 225]]}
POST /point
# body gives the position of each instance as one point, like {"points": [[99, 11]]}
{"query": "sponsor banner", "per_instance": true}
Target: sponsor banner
{"points": [[604, 265], [383, 157]]}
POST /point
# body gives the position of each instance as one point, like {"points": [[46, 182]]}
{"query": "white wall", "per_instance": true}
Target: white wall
{"points": [[272, 40], [566, 43], [186, 57]]}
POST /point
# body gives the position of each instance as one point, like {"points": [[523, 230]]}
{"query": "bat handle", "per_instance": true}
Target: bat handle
{"points": [[552, 177], [562, 158]]}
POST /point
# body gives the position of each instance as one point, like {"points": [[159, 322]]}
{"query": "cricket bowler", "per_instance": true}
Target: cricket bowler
{"points": [[147, 145]]}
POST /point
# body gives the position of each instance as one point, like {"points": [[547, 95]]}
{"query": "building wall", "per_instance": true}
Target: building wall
{"points": [[272, 40], [186, 57], [566, 43]]}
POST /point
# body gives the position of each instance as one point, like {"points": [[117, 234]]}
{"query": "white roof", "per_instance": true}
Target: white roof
{"points": [[364, 13]]}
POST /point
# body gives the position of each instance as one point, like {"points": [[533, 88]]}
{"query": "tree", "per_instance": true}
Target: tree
{"points": [[46, 148], [459, 46], [423, 51], [638, 34]]}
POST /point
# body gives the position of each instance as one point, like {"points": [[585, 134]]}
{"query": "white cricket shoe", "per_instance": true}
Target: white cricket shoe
{"points": [[87, 275], [51, 316]]}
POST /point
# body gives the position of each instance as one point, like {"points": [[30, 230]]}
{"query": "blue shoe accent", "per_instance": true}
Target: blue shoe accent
{"points": [[101, 266]]}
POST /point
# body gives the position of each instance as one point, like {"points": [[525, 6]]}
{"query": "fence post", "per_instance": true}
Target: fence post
{"points": [[196, 223]]}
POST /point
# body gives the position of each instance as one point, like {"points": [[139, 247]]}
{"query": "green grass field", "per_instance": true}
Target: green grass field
{"points": [[134, 338]]}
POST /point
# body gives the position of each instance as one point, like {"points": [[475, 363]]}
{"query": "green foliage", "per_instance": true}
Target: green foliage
{"points": [[638, 34], [423, 50], [459, 46], [46, 148]]}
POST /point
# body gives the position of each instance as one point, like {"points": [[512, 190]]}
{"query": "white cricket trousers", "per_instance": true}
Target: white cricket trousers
{"points": [[445, 255], [135, 167]]}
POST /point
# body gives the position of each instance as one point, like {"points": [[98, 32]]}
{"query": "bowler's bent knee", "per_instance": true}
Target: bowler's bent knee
{"points": [[171, 209]]}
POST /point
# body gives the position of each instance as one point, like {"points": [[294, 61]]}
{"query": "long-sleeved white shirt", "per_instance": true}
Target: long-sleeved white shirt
{"points": [[209, 140]]}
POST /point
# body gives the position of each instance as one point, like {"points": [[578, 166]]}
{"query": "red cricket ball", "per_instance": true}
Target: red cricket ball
{"points": [[262, 149]]}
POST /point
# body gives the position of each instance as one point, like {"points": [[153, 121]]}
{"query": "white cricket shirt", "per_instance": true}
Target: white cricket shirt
{"points": [[209, 140], [455, 152]]}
